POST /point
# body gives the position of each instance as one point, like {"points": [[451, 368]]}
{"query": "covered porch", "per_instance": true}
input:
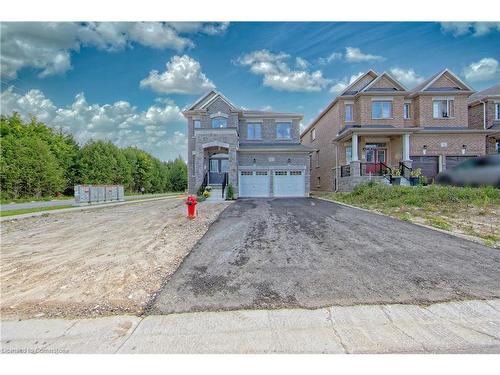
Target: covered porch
{"points": [[366, 154]]}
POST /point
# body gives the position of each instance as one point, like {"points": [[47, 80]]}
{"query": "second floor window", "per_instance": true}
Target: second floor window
{"points": [[283, 130], [348, 112], [443, 108], [317, 158], [254, 131], [406, 111], [497, 111], [197, 124], [219, 122], [381, 109], [313, 134]]}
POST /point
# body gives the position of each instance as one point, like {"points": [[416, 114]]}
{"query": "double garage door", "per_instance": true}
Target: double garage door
{"points": [[285, 183], [430, 164]]}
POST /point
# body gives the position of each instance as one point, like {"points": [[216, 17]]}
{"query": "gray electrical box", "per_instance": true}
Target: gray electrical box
{"points": [[98, 194]]}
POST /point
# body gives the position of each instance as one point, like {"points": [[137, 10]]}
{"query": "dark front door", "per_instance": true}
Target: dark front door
{"points": [[216, 168]]}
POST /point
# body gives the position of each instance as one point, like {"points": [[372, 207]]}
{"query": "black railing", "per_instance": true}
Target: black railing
{"points": [[345, 170], [204, 183], [224, 183], [405, 170]]}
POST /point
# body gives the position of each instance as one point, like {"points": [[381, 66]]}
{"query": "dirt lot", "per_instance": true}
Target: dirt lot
{"points": [[96, 262]]}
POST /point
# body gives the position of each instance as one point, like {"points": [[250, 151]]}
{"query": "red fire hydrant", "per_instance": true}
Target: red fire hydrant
{"points": [[191, 206]]}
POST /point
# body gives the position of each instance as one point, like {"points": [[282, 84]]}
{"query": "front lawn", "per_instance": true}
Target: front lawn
{"points": [[33, 209], [470, 211]]}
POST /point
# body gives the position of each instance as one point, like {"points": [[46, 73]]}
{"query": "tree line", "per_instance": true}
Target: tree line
{"points": [[39, 161]]}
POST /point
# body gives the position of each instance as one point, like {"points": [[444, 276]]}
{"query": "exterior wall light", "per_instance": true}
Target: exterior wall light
{"points": [[464, 148], [424, 150]]}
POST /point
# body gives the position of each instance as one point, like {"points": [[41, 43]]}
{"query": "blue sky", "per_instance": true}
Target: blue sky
{"points": [[86, 78]]}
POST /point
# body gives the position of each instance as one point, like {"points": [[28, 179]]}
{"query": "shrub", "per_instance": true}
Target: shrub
{"points": [[230, 192]]}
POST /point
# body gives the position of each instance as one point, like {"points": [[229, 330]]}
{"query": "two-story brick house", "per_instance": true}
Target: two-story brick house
{"points": [[258, 152], [376, 123], [484, 113]]}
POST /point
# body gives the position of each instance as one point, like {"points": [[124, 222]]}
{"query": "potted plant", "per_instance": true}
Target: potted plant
{"points": [[230, 192], [396, 176], [208, 188], [206, 193], [415, 177]]}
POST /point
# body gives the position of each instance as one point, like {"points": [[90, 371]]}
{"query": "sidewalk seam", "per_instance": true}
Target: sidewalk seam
{"points": [[130, 335]]}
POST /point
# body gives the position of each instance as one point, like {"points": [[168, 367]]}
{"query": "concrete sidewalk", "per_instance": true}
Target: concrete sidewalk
{"points": [[454, 327]]}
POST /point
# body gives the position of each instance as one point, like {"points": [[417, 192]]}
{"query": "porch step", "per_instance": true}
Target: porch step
{"points": [[215, 195]]}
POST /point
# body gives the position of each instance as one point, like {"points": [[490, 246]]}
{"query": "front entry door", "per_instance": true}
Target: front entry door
{"points": [[374, 156], [216, 168]]}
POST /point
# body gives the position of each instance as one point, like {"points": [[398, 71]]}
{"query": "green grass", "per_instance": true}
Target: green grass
{"points": [[152, 195], [431, 198], [33, 199], [439, 222], [30, 210]]}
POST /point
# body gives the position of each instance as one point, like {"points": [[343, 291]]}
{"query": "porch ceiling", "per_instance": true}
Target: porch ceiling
{"points": [[347, 134]]}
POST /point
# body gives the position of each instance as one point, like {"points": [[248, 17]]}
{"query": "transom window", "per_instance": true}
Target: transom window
{"points": [[295, 173], [261, 173], [219, 122], [246, 173], [280, 173], [197, 124], [283, 130], [406, 111], [381, 109], [254, 130], [443, 108], [497, 111], [348, 112]]}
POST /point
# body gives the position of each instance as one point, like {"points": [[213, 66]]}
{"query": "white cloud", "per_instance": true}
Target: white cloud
{"points": [[152, 129], [483, 70], [407, 77], [301, 63], [332, 57], [47, 46], [278, 75], [353, 54], [183, 75], [465, 28], [342, 84]]}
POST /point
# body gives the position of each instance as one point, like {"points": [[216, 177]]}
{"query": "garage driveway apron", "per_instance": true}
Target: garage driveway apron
{"points": [[304, 252]]}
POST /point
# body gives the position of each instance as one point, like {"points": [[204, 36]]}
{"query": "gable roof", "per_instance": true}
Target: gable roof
{"points": [[349, 89], [398, 85], [209, 98], [489, 92], [426, 85]]}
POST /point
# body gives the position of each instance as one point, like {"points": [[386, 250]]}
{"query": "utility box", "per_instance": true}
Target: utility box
{"points": [[98, 194]]}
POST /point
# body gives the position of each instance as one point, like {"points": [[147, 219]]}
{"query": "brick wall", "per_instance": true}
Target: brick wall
{"points": [[269, 131], [424, 115], [327, 128], [475, 143]]}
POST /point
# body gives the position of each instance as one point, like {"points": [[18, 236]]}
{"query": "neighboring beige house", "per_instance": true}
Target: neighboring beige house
{"points": [[484, 113], [376, 124]]}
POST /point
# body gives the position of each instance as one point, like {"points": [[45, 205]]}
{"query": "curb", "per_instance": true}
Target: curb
{"points": [[458, 235], [83, 208]]}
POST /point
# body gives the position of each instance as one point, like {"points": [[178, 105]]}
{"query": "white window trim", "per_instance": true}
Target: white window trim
{"points": [[409, 110], [497, 111], [313, 134], [383, 101], [447, 99], [254, 138], [352, 112], [276, 129]]}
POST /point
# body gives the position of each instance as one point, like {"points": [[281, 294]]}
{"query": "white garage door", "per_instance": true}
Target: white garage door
{"points": [[254, 184], [289, 184]]}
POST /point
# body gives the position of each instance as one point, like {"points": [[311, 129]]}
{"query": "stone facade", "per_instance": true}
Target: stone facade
{"points": [[205, 141]]}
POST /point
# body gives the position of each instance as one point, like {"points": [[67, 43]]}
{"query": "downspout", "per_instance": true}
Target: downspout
{"points": [[484, 114], [336, 166]]}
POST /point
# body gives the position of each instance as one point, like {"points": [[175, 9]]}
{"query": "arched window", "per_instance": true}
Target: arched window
{"points": [[219, 122]]}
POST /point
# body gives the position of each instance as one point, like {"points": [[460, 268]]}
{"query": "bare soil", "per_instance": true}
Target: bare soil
{"points": [[96, 262]]}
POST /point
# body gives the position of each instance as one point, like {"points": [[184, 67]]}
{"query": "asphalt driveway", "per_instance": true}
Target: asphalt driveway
{"points": [[272, 253]]}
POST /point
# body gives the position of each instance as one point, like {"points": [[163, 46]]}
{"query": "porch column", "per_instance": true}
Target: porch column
{"points": [[355, 165], [406, 150], [354, 145]]}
